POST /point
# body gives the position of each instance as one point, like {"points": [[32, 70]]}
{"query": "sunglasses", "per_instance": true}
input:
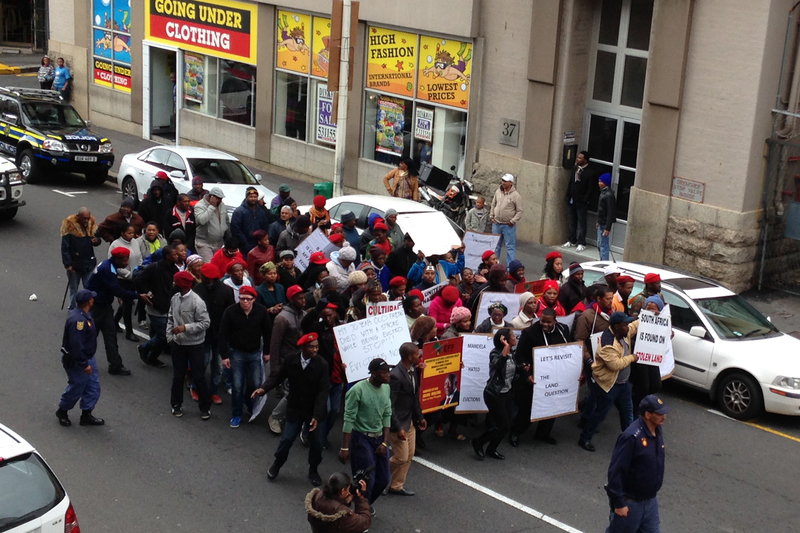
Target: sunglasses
{"points": [[246, 299]]}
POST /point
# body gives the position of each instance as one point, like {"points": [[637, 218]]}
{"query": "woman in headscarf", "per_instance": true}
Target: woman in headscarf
{"points": [[554, 267], [193, 264], [496, 319], [550, 299], [271, 294], [527, 311], [460, 322], [498, 275], [646, 379], [262, 252]]}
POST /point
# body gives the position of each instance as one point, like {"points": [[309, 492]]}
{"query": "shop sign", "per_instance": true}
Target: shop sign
{"points": [[445, 68], [294, 42], [423, 124], [224, 28], [326, 123], [320, 47], [389, 129], [391, 61], [111, 43]]}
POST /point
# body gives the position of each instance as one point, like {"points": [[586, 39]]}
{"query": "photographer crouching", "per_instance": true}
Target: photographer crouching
{"points": [[329, 509]]}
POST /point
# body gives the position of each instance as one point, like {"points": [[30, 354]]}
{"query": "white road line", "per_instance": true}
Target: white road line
{"points": [[136, 332], [497, 496], [70, 194]]}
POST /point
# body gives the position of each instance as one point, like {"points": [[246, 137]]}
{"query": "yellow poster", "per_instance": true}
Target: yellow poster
{"points": [[391, 61], [444, 71], [294, 32], [320, 53]]}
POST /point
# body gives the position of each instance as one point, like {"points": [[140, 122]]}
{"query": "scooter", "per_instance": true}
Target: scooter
{"points": [[448, 193]]}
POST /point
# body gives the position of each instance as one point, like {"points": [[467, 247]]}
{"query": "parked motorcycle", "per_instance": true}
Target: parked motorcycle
{"points": [[446, 192]]}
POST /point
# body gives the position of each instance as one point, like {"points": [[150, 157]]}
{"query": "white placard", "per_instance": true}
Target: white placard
{"points": [[364, 340], [475, 244], [556, 371], [509, 299], [381, 308], [316, 242], [429, 294], [475, 374], [653, 338]]}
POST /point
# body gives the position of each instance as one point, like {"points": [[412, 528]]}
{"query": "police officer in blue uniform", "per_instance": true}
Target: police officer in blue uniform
{"points": [[637, 471], [77, 355]]}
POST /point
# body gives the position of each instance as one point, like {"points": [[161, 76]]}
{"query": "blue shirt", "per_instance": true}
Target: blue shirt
{"points": [[80, 337], [105, 283], [637, 465], [61, 77]]}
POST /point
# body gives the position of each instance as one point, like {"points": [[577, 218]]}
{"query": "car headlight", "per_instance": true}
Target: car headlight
{"points": [[14, 177], [106, 148], [52, 144], [787, 383]]}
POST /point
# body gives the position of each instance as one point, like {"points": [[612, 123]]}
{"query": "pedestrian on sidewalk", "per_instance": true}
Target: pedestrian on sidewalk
{"points": [[506, 212], [579, 196], [62, 80], [403, 181], [477, 218], [606, 215], [46, 74]]}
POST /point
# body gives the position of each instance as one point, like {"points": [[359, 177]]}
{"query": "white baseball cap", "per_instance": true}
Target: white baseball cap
{"points": [[611, 269], [508, 177]]}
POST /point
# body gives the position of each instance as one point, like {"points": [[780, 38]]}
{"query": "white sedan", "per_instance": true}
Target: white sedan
{"points": [[182, 164], [722, 345]]}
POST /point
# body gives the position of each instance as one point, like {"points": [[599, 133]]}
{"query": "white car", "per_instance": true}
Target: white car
{"points": [[722, 345], [31, 497], [433, 233], [182, 164]]}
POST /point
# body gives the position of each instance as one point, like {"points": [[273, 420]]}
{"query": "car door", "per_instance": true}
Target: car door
{"points": [[693, 355], [154, 161], [176, 162], [5, 128]]}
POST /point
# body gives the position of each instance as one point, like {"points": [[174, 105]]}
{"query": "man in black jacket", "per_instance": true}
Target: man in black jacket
{"points": [[606, 215], [181, 218], [574, 290], [155, 207], [78, 240], [579, 197], [156, 278], [402, 259], [406, 414], [309, 382]]}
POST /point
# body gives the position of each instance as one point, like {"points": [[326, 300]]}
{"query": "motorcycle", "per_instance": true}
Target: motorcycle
{"points": [[446, 192]]}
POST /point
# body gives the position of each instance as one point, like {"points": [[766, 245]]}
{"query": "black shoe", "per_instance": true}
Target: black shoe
{"points": [[371, 511], [478, 449], [273, 471], [513, 440], [326, 445], [548, 440], [119, 371], [63, 418], [119, 329], [144, 354], [205, 415], [87, 419], [131, 337], [494, 454], [156, 362], [177, 412], [402, 492], [586, 445], [313, 477]]}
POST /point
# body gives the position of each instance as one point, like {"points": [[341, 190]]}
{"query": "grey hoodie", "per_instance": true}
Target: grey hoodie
{"points": [[189, 311]]}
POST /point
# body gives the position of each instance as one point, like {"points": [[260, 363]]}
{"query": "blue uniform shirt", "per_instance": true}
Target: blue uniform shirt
{"points": [[637, 465], [80, 337], [61, 77], [105, 283]]}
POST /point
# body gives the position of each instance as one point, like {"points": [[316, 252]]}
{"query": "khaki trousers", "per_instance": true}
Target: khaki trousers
{"points": [[402, 454]]}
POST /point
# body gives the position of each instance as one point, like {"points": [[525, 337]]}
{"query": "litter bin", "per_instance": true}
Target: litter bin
{"points": [[325, 189]]}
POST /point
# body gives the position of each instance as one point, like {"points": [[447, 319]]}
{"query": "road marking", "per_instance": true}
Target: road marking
{"points": [[757, 426], [70, 194], [28, 75], [136, 332], [497, 496]]}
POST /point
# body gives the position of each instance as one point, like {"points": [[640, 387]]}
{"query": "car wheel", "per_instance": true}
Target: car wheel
{"points": [[129, 190], [97, 177], [8, 214], [739, 396], [28, 166]]}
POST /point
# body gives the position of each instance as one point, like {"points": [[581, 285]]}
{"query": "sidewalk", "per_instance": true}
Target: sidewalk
{"points": [[11, 63]]}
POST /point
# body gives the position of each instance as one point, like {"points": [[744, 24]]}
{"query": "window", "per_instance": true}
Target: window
{"points": [[159, 157], [219, 88], [683, 317], [291, 103], [733, 318], [176, 162], [222, 171], [29, 491]]}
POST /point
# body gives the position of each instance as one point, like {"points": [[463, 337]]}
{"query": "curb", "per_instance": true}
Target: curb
{"points": [[7, 70]]}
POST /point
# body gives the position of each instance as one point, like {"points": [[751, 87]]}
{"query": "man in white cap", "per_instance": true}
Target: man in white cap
{"points": [[611, 273], [341, 265], [506, 212], [211, 216]]}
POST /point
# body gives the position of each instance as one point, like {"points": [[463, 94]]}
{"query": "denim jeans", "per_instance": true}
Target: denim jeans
{"points": [[158, 336], [642, 518], [290, 432], [619, 395], [246, 369], [75, 279], [214, 363], [603, 243], [508, 234], [577, 223]]}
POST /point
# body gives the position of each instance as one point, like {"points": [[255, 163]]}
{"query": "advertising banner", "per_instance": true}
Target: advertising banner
{"points": [[111, 40], [364, 340], [423, 124], [475, 374], [390, 126], [122, 77], [475, 244], [556, 371], [193, 77], [103, 72], [439, 386], [445, 68], [294, 41], [326, 126], [391, 61], [320, 47]]}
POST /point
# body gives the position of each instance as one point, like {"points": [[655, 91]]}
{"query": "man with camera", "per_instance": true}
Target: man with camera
{"points": [[329, 509]]}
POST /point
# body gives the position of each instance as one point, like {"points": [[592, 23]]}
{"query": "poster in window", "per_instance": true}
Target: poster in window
{"points": [[445, 68], [391, 122], [423, 124], [193, 76], [103, 46], [320, 52], [293, 51], [101, 14], [391, 61], [111, 40], [326, 126]]}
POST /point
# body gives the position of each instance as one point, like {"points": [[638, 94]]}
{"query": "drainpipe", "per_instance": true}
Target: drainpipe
{"points": [[794, 88]]}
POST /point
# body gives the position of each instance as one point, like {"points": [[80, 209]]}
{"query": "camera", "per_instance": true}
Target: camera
{"points": [[358, 477]]}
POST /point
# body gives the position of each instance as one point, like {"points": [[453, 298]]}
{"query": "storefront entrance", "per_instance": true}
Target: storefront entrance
{"points": [[163, 94]]}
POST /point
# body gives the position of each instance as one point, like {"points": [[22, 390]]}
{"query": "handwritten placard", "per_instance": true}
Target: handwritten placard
{"points": [[316, 242], [364, 340], [475, 244], [556, 371]]}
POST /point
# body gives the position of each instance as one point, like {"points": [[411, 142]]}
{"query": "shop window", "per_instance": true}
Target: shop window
{"points": [[387, 128], [219, 88], [111, 44], [291, 103]]}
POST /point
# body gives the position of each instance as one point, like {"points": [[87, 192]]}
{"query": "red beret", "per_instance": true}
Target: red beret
{"points": [[246, 289], [319, 201], [292, 291], [552, 256], [625, 279], [119, 251], [486, 255], [318, 258], [234, 263], [210, 271], [305, 339], [450, 294], [161, 175], [331, 306], [336, 238], [417, 293], [651, 278], [183, 279], [398, 281], [550, 284], [380, 225]]}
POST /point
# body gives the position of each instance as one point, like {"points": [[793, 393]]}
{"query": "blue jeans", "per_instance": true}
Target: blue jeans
{"points": [[508, 234], [75, 279], [362, 455], [81, 386], [290, 432], [246, 369], [214, 363], [158, 336], [619, 395], [642, 518], [603, 243]]}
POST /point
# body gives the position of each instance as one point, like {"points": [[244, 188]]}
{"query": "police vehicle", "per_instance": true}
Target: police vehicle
{"points": [[11, 185], [43, 132]]}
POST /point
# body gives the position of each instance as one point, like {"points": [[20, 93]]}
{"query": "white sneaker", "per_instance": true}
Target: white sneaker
{"points": [[568, 245], [580, 248]]}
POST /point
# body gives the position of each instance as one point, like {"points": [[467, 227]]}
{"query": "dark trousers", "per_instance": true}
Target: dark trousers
{"points": [[294, 424], [619, 395], [104, 321], [81, 386], [184, 357], [577, 223], [362, 455], [522, 421], [645, 379], [642, 518], [158, 336], [500, 408]]}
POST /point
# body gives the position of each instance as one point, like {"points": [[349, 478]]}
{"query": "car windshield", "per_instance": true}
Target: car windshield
{"points": [[222, 171], [51, 115], [28, 490], [733, 318]]}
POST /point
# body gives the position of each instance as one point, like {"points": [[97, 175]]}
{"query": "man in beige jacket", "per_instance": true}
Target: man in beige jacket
{"points": [[506, 212]]}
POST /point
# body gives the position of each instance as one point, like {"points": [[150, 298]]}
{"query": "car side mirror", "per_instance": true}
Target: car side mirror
{"points": [[258, 178], [698, 331], [769, 319], [88, 123], [178, 175], [8, 117]]}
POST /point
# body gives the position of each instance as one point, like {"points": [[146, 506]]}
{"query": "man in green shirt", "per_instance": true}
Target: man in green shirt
{"points": [[367, 421]]}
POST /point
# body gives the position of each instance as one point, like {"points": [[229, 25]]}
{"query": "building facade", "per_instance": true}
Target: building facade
{"points": [[672, 97]]}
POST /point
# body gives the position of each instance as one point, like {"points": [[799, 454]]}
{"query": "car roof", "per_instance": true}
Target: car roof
{"points": [[11, 444], [695, 286], [197, 151], [383, 203]]}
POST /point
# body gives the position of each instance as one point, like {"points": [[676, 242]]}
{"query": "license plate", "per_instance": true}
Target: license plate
{"points": [[86, 158]]}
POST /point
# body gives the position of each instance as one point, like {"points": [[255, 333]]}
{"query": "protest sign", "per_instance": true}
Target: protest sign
{"points": [[429, 294], [556, 371], [316, 242], [653, 338], [475, 244], [475, 356], [515, 331], [364, 340], [510, 300], [439, 385], [383, 307], [535, 287]]}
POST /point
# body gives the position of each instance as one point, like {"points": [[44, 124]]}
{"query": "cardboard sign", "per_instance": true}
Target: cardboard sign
{"points": [[430, 294], [475, 244], [475, 374], [535, 287], [364, 340], [381, 308], [556, 371], [439, 385], [510, 300], [653, 338], [316, 242]]}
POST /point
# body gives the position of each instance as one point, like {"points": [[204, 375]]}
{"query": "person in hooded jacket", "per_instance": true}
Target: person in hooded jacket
{"points": [[247, 218], [402, 259], [574, 290], [155, 207], [329, 509], [291, 237]]}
